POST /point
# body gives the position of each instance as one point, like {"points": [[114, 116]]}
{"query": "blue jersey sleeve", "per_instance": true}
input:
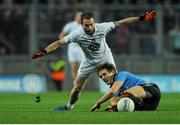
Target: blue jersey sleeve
{"points": [[129, 80], [121, 76]]}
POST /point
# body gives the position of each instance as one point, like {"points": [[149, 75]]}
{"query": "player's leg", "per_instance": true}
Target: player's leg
{"points": [[145, 96], [74, 95], [151, 102], [78, 86], [84, 71], [135, 93], [74, 69]]}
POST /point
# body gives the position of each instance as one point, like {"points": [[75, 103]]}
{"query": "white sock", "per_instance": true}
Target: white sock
{"points": [[71, 106]]}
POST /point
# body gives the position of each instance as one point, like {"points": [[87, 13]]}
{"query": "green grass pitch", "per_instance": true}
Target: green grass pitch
{"points": [[22, 108]]}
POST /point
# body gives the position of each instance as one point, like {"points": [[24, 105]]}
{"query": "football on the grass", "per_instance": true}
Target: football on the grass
{"points": [[125, 105]]}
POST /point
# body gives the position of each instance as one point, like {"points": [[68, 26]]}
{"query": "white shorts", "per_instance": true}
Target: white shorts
{"points": [[89, 66], [75, 53]]}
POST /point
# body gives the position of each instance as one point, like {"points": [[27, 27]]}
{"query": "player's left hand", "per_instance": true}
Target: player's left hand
{"points": [[149, 15], [109, 108], [95, 107]]}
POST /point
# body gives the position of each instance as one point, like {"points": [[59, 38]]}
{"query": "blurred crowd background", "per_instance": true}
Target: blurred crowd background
{"points": [[144, 47]]}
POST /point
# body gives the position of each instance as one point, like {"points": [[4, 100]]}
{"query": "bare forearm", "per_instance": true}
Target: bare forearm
{"points": [[110, 92], [106, 97], [53, 46], [48, 49], [126, 21]]}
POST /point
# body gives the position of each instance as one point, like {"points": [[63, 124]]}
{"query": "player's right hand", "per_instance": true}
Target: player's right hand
{"points": [[95, 107], [39, 54]]}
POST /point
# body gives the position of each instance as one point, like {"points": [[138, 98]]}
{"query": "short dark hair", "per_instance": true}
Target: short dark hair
{"points": [[86, 15], [108, 66]]}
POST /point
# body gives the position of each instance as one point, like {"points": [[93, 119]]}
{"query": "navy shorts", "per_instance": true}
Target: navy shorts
{"points": [[153, 102]]}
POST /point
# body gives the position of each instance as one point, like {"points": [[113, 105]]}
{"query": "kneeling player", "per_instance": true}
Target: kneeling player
{"points": [[146, 96]]}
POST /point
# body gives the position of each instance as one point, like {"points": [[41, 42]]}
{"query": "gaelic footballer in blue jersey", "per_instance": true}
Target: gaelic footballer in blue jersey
{"points": [[146, 96]]}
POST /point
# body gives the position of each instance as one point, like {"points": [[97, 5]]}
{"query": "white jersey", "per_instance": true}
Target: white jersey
{"points": [[70, 27], [94, 46]]}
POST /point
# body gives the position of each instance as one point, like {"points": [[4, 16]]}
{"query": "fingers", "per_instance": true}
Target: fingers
{"points": [[98, 107], [108, 108], [149, 15], [152, 13], [37, 55], [93, 109], [34, 57]]}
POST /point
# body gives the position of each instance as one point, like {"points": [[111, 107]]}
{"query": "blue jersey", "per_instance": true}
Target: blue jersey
{"points": [[129, 80]]}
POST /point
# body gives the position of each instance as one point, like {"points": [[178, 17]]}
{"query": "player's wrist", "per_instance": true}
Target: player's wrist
{"points": [[141, 18], [44, 51], [98, 103]]}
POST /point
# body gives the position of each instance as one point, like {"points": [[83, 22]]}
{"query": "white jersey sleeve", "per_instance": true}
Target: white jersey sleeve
{"points": [[72, 37], [107, 26]]}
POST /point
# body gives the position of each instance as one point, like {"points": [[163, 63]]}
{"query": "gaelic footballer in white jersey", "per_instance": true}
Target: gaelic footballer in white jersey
{"points": [[94, 46]]}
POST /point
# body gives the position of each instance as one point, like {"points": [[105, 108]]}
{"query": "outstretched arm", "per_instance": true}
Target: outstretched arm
{"points": [[149, 15], [104, 98], [109, 94], [53, 46]]}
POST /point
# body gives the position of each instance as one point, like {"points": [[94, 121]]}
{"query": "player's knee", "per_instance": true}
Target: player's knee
{"points": [[137, 101]]}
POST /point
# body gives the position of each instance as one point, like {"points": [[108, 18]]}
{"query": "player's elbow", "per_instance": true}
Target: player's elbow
{"points": [[113, 92], [61, 36]]}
